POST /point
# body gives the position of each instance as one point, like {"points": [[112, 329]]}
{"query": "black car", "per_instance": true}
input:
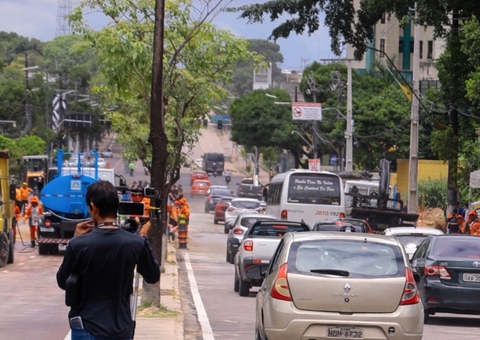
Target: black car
{"points": [[212, 199], [449, 269], [340, 226]]}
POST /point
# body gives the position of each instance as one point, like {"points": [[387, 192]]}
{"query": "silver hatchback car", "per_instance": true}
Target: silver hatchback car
{"points": [[338, 286]]}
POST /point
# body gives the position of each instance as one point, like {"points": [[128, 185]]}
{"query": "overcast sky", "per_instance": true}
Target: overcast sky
{"points": [[38, 19]]}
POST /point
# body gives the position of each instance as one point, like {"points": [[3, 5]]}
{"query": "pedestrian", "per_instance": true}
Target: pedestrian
{"points": [[270, 174], [24, 195], [172, 195], [103, 257], [471, 218], [18, 197], [18, 215], [133, 185], [184, 209], [33, 212], [140, 185], [452, 222], [131, 166], [474, 227]]}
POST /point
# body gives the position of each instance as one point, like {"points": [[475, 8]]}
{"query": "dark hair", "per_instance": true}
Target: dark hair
{"points": [[104, 196]]}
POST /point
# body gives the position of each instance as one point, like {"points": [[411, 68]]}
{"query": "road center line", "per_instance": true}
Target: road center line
{"points": [[207, 332]]}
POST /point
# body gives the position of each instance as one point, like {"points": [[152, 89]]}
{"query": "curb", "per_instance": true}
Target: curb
{"points": [[179, 331]]}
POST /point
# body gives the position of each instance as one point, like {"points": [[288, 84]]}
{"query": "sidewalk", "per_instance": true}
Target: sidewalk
{"points": [[237, 162], [169, 326]]}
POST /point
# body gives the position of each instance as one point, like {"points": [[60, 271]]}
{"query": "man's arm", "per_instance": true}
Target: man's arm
{"points": [[66, 268], [148, 265]]}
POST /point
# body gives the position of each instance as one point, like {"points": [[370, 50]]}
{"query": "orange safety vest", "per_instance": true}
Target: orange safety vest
{"points": [[18, 195], [475, 228]]}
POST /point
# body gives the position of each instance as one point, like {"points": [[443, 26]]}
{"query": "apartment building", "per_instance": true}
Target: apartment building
{"points": [[397, 43]]}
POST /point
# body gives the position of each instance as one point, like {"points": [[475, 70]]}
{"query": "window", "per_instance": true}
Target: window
{"points": [[274, 193], [382, 19], [400, 45], [420, 46], [467, 248], [314, 189], [430, 49], [382, 48]]}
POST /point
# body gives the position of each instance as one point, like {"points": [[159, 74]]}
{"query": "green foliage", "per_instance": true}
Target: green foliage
{"points": [[270, 155], [31, 145], [432, 193], [469, 162]]}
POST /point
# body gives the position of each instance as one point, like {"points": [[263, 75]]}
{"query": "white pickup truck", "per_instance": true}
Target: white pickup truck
{"points": [[257, 248]]}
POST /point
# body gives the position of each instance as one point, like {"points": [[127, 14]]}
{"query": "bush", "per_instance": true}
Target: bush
{"points": [[248, 168], [432, 193]]}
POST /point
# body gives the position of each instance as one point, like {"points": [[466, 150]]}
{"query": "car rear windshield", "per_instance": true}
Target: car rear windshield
{"points": [[249, 221], [356, 259], [275, 229], [247, 181], [199, 173], [411, 239], [339, 227], [200, 184], [314, 189], [225, 199], [217, 192], [245, 204], [459, 247], [215, 157]]}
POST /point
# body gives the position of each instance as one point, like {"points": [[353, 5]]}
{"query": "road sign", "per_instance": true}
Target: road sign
{"points": [[306, 111], [314, 164]]}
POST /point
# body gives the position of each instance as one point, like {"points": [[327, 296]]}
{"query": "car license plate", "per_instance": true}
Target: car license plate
{"points": [[468, 277], [47, 230], [344, 333]]}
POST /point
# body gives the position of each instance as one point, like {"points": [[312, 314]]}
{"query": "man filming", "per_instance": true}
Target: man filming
{"points": [[103, 258]]}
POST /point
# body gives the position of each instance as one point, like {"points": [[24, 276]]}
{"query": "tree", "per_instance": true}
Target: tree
{"points": [[257, 121], [197, 58], [356, 27], [243, 72]]}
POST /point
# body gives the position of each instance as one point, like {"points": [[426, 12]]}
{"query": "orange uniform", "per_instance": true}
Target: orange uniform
{"points": [[475, 228], [33, 211], [18, 214]]}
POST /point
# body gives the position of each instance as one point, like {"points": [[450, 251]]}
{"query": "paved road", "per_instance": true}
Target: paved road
{"points": [[231, 316]]}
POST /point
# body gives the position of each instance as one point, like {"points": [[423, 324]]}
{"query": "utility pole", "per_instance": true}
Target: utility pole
{"points": [[349, 123], [349, 132], [413, 158]]}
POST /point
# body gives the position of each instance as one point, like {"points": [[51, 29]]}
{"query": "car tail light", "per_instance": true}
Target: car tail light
{"points": [[280, 289], [410, 292], [47, 223], [438, 271], [248, 245], [284, 214], [238, 231], [342, 215]]}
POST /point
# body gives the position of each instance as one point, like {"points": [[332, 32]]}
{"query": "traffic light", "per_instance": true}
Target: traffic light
{"points": [[220, 124]]}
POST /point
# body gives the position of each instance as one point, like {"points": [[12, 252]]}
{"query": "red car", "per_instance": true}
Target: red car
{"points": [[198, 175], [220, 208], [200, 187]]}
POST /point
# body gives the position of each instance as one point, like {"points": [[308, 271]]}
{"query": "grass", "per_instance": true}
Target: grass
{"points": [[147, 310]]}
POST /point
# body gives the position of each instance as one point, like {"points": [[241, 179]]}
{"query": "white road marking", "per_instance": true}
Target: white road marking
{"points": [[207, 332]]}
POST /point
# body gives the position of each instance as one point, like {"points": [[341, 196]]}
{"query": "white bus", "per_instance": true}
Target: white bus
{"points": [[306, 195]]}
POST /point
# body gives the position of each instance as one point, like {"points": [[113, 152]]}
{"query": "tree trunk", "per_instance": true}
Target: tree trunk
{"points": [[158, 139]]}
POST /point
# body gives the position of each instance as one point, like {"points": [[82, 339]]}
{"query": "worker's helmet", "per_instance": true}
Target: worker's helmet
{"points": [[34, 200], [472, 213], [24, 184]]}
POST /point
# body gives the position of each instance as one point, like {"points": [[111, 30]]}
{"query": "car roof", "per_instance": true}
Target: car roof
{"points": [[250, 214], [238, 199], [412, 230], [325, 235]]}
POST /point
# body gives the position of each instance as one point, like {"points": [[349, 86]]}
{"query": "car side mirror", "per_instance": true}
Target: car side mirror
{"points": [[416, 277], [255, 273], [234, 241]]}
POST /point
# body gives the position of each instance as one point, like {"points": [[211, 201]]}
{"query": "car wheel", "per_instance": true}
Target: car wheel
{"points": [[236, 283], [226, 230], [426, 317], [232, 257], [215, 221], [206, 210], [227, 256], [11, 252], [244, 288], [257, 334]]}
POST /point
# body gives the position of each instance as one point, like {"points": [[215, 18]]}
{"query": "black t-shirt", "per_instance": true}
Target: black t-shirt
{"points": [[105, 260]]}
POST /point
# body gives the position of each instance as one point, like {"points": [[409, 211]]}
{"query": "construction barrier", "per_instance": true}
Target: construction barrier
{"points": [[182, 232]]}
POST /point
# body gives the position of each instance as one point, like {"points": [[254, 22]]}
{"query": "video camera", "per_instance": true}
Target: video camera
{"points": [[135, 206]]}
